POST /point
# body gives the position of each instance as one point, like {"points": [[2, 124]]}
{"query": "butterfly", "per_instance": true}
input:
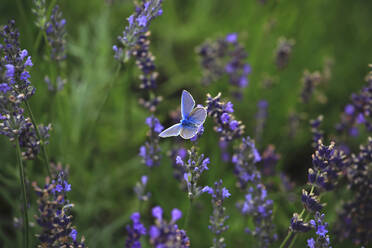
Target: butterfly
{"points": [[192, 119]]}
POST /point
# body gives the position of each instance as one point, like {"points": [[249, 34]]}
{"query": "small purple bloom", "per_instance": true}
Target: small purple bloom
{"points": [[144, 180], [243, 82], [229, 107], [225, 118], [349, 109], [154, 232], [28, 62], [67, 187], [157, 212], [142, 152], [4, 87], [179, 161], [233, 125], [131, 20], [232, 38], [59, 188], [225, 193], [142, 20], [10, 70], [321, 230], [23, 54], [176, 214], [73, 234], [247, 69], [311, 243], [360, 118], [208, 190]]}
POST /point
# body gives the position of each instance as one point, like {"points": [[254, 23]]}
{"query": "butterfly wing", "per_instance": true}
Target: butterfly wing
{"points": [[171, 131], [187, 104], [189, 132], [198, 115]]}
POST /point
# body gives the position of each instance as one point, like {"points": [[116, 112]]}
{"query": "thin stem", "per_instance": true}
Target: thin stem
{"points": [[290, 232], [24, 198], [43, 148], [188, 214], [105, 98]]}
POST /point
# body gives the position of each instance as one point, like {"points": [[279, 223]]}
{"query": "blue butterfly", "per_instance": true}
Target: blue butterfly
{"points": [[192, 119]]}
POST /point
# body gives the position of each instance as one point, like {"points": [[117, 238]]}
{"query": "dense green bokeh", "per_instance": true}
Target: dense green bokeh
{"points": [[102, 147]]}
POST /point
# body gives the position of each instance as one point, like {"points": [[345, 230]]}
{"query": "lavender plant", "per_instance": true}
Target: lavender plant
{"points": [[139, 22], [161, 234], [150, 151], [328, 162], [55, 31], [54, 212], [193, 167], [15, 90], [256, 203], [355, 219], [357, 112], [322, 239], [225, 56], [226, 125], [218, 218]]}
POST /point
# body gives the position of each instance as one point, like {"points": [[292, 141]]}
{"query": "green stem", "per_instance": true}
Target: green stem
{"points": [[24, 198], [105, 98], [43, 148], [188, 215], [291, 233]]}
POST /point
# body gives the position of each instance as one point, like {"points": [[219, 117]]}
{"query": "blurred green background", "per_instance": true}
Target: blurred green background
{"points": [[101, 147]]}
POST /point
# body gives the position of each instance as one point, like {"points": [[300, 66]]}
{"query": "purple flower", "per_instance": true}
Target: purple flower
{"points": [[131, 20], [10, 70], [142, 21], [232, 38], [229, 107], [218, 218], [349, 109], [225, 193], [208, 190], [73, 234], [176, 214], [54, 215], [154, 232], [144, 180], [135, 232], [225, 57], [167, 234], [225, 117], [311, 243], [4, 87], [157, 212]]}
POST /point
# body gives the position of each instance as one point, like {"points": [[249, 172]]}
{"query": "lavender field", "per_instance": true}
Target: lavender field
{"points": [[173, 124]]}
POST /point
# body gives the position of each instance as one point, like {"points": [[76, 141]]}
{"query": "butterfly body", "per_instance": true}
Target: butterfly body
{"points": [[188, 122], [192, 119]]}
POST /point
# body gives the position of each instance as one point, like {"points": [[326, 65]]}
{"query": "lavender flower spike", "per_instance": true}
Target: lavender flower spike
{"points": [[138, 24], [167, 234], [54, 212], [218, 218]]}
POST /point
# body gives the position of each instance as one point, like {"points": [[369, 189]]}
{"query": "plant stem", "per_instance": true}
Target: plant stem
{"points": [[188, 215], [291, 233], [24, 198], [105, 98], [43, 148]]}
